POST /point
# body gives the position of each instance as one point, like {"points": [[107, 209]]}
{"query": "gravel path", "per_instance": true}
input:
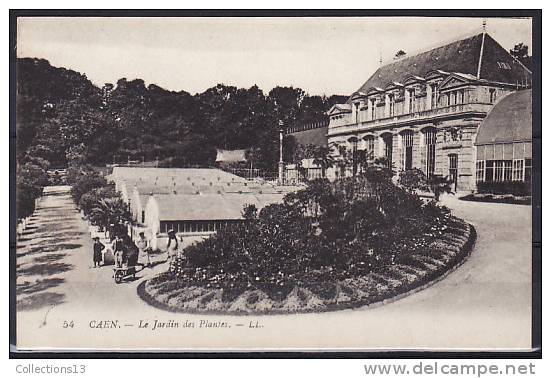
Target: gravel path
{"points": [[61, 299]]}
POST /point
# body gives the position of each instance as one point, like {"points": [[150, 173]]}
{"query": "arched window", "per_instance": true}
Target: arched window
{"points": [[452, 169], [407, 149], [387, 143], [430, 151], [369, 141]]}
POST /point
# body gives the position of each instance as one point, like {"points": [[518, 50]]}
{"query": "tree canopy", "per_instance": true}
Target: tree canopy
{"points": [[58, 109]]}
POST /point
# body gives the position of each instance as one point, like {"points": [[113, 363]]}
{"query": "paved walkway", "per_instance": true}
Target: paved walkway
{"points": [[486, 303]]}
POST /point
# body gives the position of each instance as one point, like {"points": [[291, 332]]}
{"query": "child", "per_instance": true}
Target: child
{"points": [[98, 247]]}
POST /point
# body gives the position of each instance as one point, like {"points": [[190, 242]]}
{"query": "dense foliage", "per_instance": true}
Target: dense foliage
{"points": [[328, 231], [97, 198], [62, 117], [415, 180], [58, 109], [31, 179]]}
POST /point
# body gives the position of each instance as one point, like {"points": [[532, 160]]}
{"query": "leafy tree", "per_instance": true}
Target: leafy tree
{"points": [[250, 212], [30, 181], [86, 179], [59, 109], [520, 52], [323, 158], [254, 157], [399, 54]]}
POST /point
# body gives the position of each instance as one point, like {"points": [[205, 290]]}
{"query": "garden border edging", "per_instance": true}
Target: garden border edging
{"points": [[465, 253]]}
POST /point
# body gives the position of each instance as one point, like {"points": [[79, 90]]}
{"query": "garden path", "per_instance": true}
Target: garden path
{"points": [[485, 303]]}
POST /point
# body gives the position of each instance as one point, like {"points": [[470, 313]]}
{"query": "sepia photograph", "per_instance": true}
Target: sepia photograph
{"points": [[275, 183]]}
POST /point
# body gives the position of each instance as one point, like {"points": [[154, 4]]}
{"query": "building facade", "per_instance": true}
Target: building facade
{"points": [[424, 111]]}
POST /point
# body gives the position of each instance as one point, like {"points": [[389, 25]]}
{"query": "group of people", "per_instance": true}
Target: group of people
{"points": [[125, 251]]}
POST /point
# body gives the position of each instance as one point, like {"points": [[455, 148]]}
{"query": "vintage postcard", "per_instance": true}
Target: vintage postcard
{"points": [[274, 183]]}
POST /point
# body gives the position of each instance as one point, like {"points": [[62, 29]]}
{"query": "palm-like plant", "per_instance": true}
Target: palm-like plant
{"points": [[323, 158], [111, 210]]}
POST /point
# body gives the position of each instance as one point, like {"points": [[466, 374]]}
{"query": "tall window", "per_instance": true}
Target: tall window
{"points": [[480, 171], [492, 96], [411, 101], [391, 105], [434, 96], [498, 170], [507, 170], [373, 109], [387, 140], [430, 154], [452, 169], [453, 98], [489, 171], [528, 170], [354, 143], [461, 97], [518, 169], [370, 147], [356, 111], [407, 152]]}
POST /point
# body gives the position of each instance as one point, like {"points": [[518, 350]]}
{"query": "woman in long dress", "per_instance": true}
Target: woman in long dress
{"points": [[143, 248], [172, 246], [98, 248]]}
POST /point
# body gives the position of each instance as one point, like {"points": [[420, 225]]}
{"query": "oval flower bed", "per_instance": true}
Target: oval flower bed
{"points": [[334, 245]]}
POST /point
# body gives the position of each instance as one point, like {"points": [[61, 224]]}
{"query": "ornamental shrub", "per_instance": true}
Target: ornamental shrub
{"points": [[324, 233]]}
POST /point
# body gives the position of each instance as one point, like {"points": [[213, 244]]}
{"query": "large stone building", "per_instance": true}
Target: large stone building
{"points": [[424, 111]]}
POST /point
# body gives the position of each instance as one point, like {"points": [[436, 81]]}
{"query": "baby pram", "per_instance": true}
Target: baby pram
{"points": [[125, 266]]}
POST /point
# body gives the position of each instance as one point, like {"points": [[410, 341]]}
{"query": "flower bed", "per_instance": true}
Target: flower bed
{"points": [[498, 198], [407, 275], [354, 241]]}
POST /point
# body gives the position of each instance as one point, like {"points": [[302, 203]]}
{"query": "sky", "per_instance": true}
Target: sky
{"points": [[320, 55]]}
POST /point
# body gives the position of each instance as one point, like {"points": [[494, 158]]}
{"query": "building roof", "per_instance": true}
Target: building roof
{"points": [[209, 206], [510, 120], [207, 188], [230, 156], [461, 56], [151, 175], [317, 137]]}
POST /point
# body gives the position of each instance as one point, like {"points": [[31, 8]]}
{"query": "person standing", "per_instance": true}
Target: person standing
{"points": [[118, 251], [130, 251], [98, 248], [172, 246], [143, 250]]}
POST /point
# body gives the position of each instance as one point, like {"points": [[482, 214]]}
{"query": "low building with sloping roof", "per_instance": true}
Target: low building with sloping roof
{"points": [[196, 216], [141, 192], [168, 176], [504, 141], [231, 156], [424, 111]]}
